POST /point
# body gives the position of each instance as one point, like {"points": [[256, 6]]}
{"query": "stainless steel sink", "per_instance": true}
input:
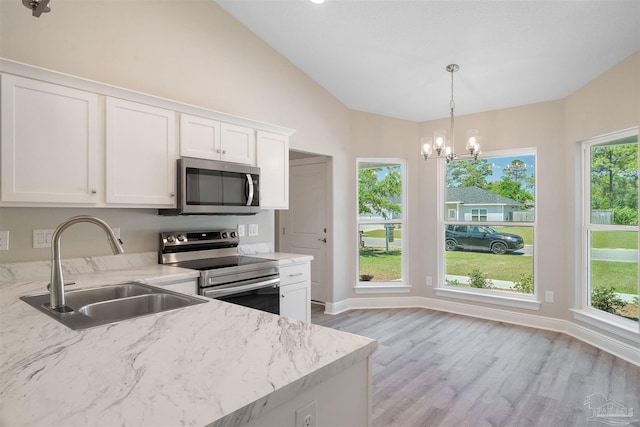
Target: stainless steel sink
{"points": [[111, 303], [127, 308]]}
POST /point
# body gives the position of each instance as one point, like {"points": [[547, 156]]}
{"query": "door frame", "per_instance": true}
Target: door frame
{"points": [[314, 158]]}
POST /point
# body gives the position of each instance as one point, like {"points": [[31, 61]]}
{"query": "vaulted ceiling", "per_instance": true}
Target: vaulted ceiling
{"points": [[389, 56]]}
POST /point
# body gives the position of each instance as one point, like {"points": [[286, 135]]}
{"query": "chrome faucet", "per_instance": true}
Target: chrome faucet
{"points": [[57, 280]]}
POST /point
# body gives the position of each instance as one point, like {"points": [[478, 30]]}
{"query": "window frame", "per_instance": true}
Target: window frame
{"points": [[583, 311], [491, 296], [396, 286]]}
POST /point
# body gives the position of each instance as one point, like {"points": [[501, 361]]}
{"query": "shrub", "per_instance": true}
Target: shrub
{"points": [[524, 285], [606, 299], [625, 215], [478, 279]]}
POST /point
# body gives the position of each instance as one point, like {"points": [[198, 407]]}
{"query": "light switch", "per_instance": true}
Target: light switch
{"points": [[253, 229], [42, 238], [241, 230]]}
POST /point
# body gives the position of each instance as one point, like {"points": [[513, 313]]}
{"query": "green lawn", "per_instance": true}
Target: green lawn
{"points": [[498, 267], [621, 275], [615, 239], [383, 267], [397, 233]]}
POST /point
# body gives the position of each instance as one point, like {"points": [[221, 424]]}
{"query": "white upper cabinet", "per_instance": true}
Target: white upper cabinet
{"points": [[199, 137], [51, 143], [273, 161], [204, 138], [141, 154], [238, 144]]}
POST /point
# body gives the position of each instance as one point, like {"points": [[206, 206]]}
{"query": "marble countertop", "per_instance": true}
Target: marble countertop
{"points": [[214, 364]]}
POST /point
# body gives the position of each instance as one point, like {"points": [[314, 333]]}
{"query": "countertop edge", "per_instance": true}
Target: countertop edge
{"points": [[280, 396]]}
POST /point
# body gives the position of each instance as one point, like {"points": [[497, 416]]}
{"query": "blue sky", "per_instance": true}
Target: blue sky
{"points": [[499, 163]]}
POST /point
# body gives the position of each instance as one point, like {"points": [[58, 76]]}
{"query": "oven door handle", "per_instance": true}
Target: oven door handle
{"points": [[217, 293]]}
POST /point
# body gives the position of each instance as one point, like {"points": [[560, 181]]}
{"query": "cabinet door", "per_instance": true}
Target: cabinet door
{"points": [[50, 143], [238, 144], [295, 301], [199, 137], [273, 160], [141, 154]]}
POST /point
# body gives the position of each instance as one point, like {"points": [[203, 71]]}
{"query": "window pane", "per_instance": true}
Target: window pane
{"points": [[380, 252], [614, 182], [614, 272], [499, 188], [490, 257], [379, 191]]}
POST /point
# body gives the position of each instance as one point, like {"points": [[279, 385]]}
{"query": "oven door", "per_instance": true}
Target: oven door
{"points": [[259, 294]]}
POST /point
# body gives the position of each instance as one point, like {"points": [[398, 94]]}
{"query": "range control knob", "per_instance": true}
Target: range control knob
{"points": [[234, 234], [181, 238], [224, 235], [171, 238]]}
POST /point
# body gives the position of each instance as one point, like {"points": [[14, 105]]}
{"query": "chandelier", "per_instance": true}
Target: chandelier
{"points": [[442, 147]]}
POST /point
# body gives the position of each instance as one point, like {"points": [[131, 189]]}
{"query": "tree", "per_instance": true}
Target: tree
{"points": [[510, 189], [516, 171], [375, 192], [471, 173], [614, 178]]}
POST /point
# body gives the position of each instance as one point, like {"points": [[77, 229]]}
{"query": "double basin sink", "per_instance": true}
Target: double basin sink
{"points": [[111, 303]]}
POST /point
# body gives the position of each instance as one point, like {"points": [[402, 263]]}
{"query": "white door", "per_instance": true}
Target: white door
{"points": [[303, 228]]}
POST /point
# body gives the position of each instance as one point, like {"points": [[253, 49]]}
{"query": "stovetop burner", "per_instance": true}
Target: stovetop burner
{"points": [[220, 262]]}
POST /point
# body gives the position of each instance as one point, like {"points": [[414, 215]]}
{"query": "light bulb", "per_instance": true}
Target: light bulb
{"points": [[317, 1]]}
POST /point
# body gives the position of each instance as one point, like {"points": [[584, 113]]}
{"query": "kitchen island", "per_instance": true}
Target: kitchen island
{"points": [[212, 364]]}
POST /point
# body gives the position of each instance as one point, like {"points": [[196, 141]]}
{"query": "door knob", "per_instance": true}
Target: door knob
{"points": [[323, 240]]}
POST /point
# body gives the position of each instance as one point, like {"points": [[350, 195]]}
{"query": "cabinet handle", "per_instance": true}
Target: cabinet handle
{"points": [[218, 150], [172, 195], [224, 151], [282, 295], [296, 274], [93, 191]]}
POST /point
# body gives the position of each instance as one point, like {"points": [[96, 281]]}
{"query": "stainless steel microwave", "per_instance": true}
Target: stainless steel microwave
{"points": [[209, 187]]}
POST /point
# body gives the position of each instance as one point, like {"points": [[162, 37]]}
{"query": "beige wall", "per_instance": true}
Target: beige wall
{"points": [[189, 51]]}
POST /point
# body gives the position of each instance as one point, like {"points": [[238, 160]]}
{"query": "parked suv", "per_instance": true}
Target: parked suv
{"points": [[481, 237]]}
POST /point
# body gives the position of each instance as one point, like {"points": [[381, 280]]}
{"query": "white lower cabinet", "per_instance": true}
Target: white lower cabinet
{"points": [[51, 143], [295, 291], [141, 154]]}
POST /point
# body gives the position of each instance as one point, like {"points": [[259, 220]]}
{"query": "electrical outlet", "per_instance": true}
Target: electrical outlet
{"points": [[253, 229], [42, 238], [4, 240], [307, 416], [241, 230], [548, 296], [429, 281]]}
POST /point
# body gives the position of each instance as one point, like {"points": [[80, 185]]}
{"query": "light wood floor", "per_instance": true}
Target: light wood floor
{"points": [[440, 369]]}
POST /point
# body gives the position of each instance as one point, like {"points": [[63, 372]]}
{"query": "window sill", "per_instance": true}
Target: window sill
{"points": [[621, 327], [381, 288], [505, 300]]}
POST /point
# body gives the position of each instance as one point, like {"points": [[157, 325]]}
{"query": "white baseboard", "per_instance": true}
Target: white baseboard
{"points": [[625, 351]]}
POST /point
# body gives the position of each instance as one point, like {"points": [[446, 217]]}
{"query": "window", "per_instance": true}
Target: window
{"points": [[381, 230], [610, 226], [488, 245], [478, 214]]}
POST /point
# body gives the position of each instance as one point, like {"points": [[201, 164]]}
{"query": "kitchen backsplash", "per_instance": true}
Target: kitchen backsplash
{"points": [[10, 272]]}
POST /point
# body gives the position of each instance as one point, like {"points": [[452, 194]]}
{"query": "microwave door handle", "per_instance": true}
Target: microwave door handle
{"points": [[250, 184]]}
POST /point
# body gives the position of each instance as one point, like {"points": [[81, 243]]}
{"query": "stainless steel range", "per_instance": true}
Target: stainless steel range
{"points": [[224, 274]]}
